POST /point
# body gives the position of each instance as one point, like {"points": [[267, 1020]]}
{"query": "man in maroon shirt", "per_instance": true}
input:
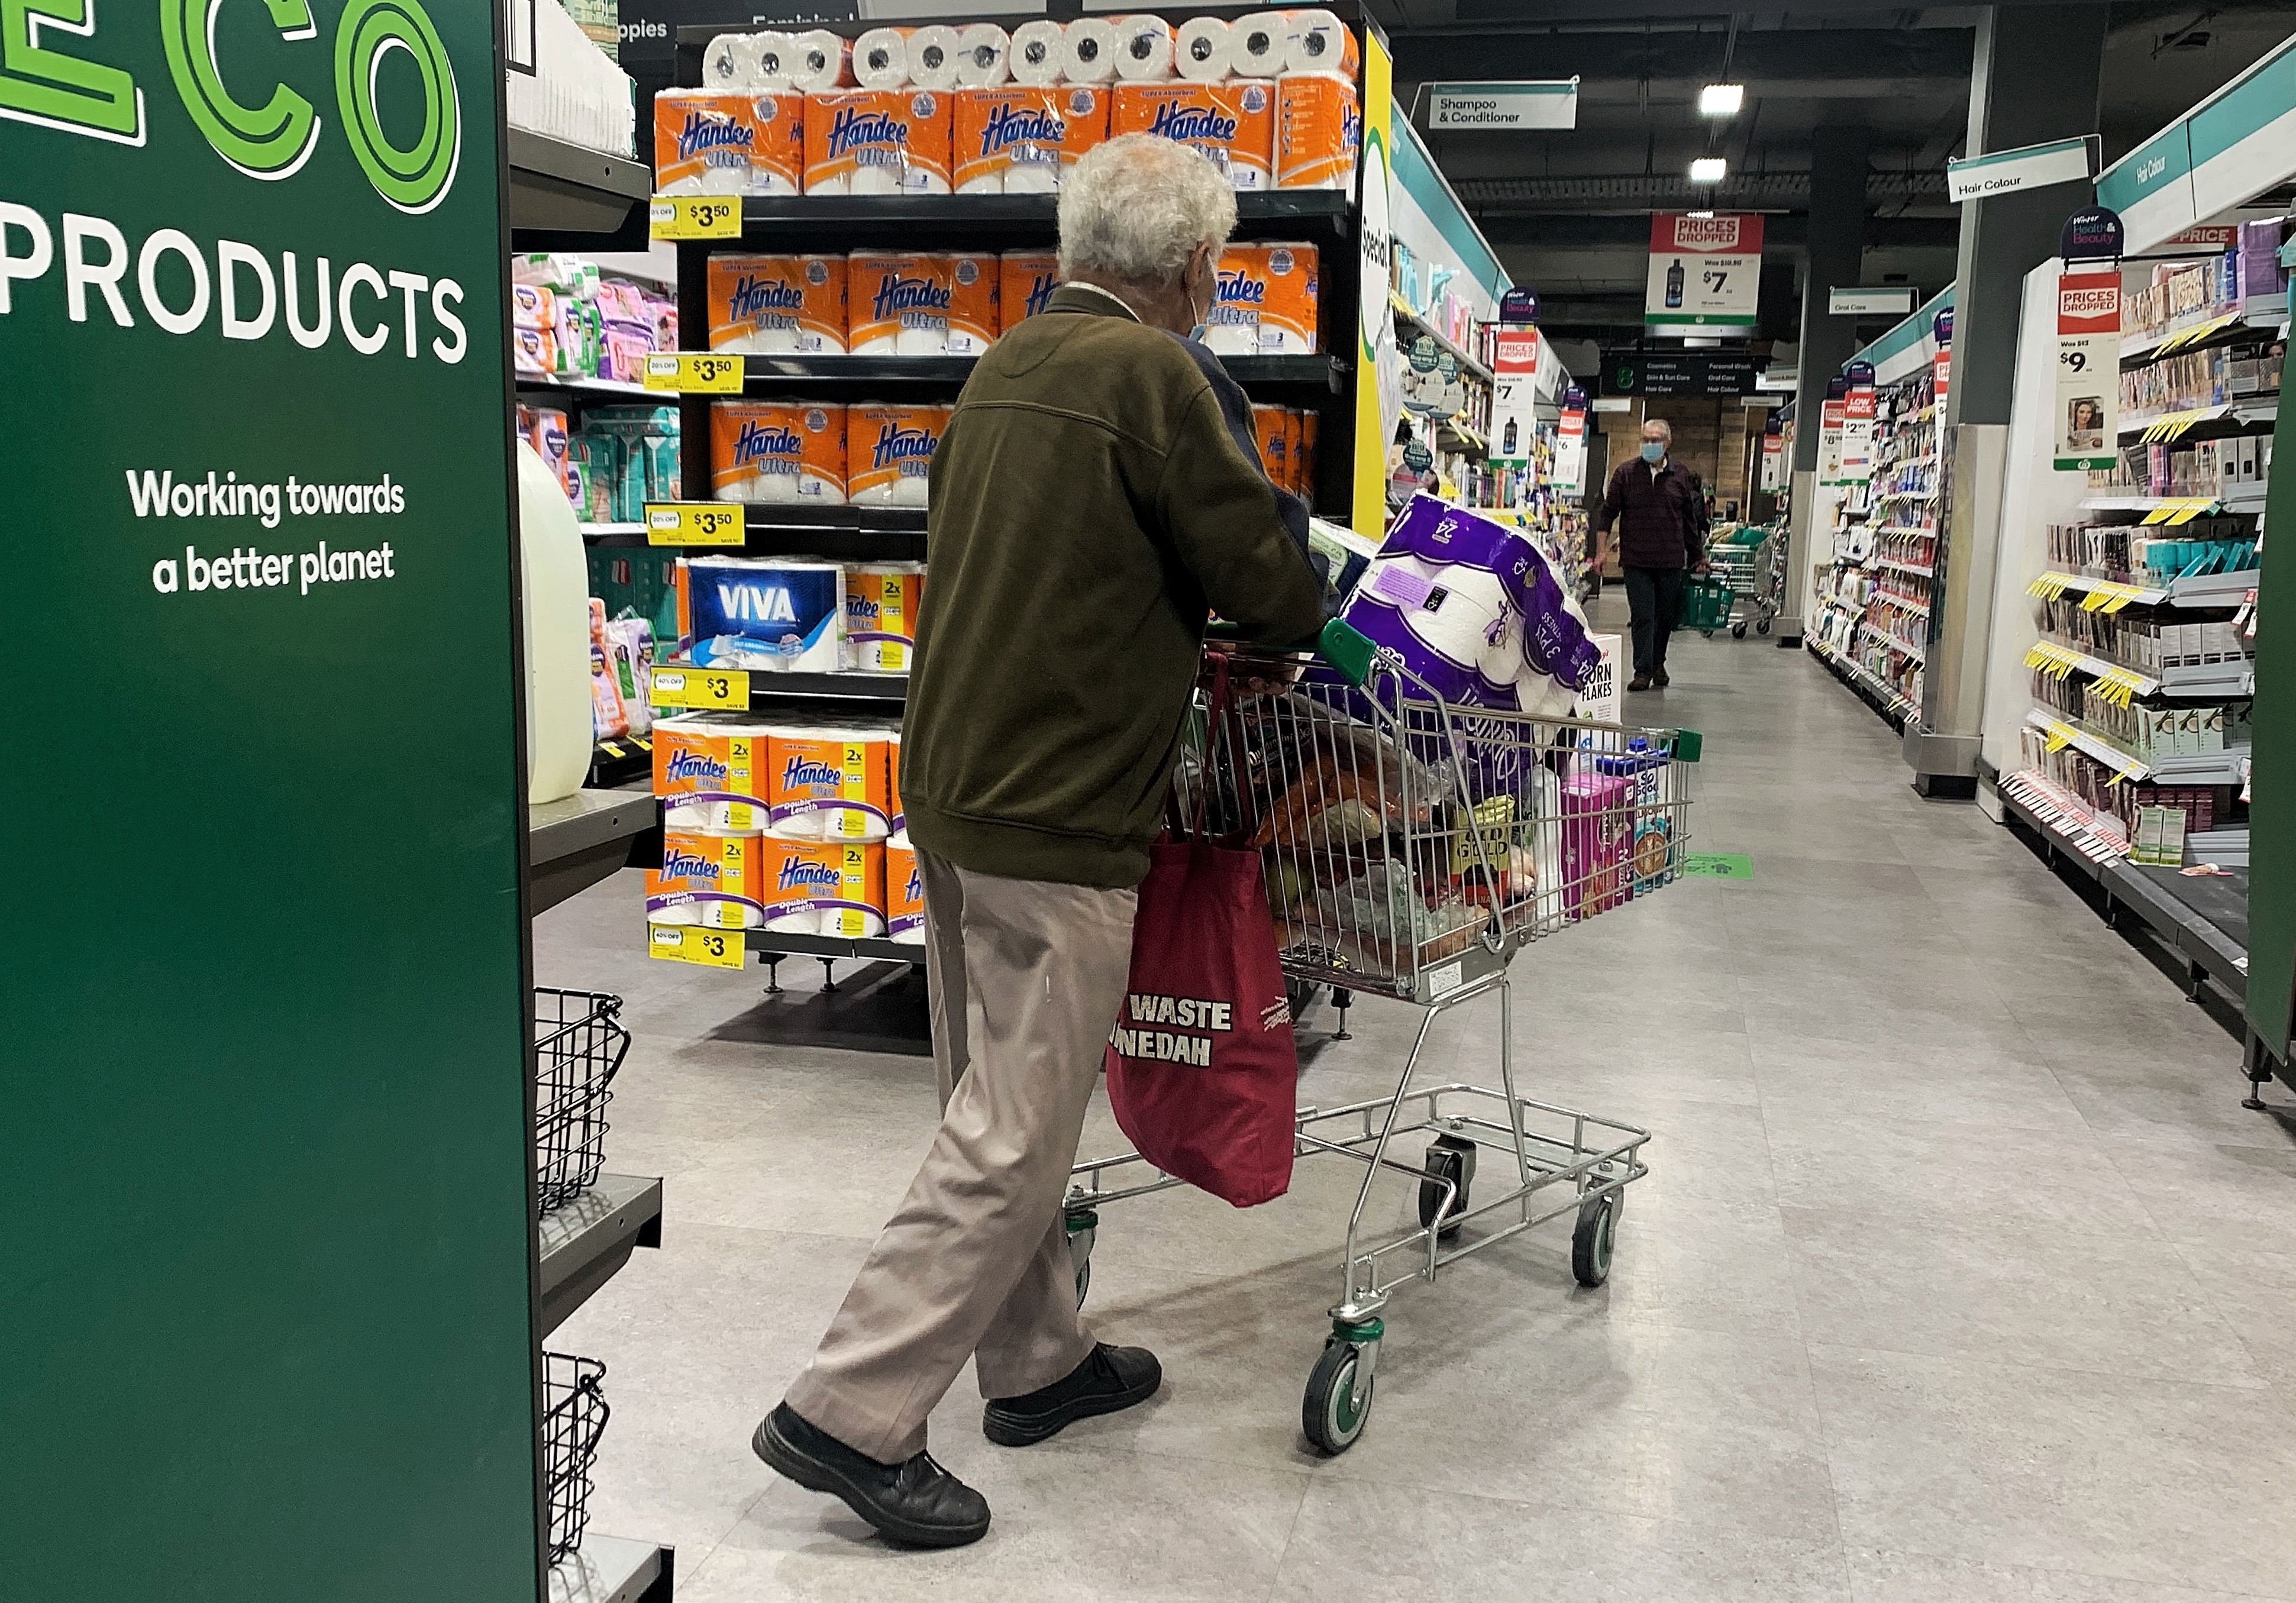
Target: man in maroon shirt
{"points": [[1660, 509]]}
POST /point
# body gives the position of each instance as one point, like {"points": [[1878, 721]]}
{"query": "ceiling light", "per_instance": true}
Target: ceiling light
{"points": [[1721, 100], [1708, 169]]}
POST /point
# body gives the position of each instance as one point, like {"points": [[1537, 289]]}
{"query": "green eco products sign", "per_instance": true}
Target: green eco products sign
{"points": [[270, 1335]]}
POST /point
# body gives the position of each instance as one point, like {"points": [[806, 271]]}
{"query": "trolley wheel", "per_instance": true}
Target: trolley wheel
{"points": [[1330, 1412], [1453, 1156], [1709, 634], [1763, 627], [1591, 1242], [1084, 1226], [1738, 631]]}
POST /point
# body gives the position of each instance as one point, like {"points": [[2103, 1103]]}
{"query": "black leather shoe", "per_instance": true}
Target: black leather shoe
{"points": [[1110, 1379], [1660, 678], [915, 1501], [1640, 681]]}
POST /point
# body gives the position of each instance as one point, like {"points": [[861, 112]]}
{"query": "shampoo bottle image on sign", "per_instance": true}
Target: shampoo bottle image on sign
{"points": [[557, 600]]}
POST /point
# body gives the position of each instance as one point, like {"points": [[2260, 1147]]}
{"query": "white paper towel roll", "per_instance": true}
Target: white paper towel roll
{"points": [[824, 61], [1143, 49], [1199, 49], [881, 59], [1037, 48], [777, 59], [729, 62], [983, 56], [932, 57], [1088, 51], [1318, 42], [1258, 44]]}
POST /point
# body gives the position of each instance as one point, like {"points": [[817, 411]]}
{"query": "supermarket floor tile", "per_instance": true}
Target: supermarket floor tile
{"points": [[1959, 1272]]}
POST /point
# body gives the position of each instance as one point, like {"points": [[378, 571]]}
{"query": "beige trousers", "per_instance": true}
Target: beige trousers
{"points": [[1027, 978]]}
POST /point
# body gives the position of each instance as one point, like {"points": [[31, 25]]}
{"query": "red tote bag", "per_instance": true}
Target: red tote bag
{"points": [[1202, 1070]]}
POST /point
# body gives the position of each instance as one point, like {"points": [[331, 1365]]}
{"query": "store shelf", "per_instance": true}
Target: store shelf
{"points": [[1906, 647], [2047, 807], [2138, 596], [586, 1241], [765, 375], [2125, 764], [2239, 501], [621, 389], [768, 690], [1903, 604], [2211, 680], [1417, 325], [924, 221], [574, 843], [2184, 418], [612, 1569], [1883, 698], [851, 949], [2215, 589], [2226, 767], [608, 531], [2216, 325], [883, 533], [1894, 566], [2139, 682], [562, 186]]}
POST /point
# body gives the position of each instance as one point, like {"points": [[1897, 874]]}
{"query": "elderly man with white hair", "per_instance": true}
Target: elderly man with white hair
{"points": [[1098, 493]]}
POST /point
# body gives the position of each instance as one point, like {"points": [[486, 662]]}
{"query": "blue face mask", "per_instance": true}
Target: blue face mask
{"points": [[1652, 450]]}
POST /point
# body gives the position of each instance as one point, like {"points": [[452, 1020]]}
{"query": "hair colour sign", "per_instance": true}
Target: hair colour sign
{"points": [[267, 1080], [2087, 422]]}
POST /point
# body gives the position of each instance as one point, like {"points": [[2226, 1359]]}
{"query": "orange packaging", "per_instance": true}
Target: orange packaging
{"points": [[778, 453], [974, 277], [905, 895], [714, 880], [715, 142], [709, 772], [1269, 427], [826, 784], [893, 785], [1305, 458], [896, 302], [881, 600], [761, 304], [1234, 122], [824, 887], [1266, 304], [1016, 139], [1030, 278], [889, 451], [877, 141], [1318, 131]]}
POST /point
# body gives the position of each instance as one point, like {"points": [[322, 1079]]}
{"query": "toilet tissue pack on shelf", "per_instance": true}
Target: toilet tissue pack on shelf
{"points": [[1035, 57], [1088, 50], [893, 785], [778, 453], [764, 304], [717, 880], [984, 56], [710, 770], [1232, 123], [1266, 304], [823, 887], [714, 141], [824, 61], [881, 59], [878, 141], [1199, 49], [1258, 44], [1277, 429], [1317, 41], [1018, 139], [1028, 278], [933, 57], [761, 614], [905, 893], [1318, 131], [896, 302], [881, 600], [889, 452], [974, 320], [828, 783], [1143, 49]]}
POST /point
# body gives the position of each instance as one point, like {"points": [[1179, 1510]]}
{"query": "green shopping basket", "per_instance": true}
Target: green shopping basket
{"points": [[1706, 603]]}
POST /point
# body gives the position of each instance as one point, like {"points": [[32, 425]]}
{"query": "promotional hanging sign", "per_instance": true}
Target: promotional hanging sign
{"points": [[1704, 272], [2028, 167], [1508, 107], [1857, 437], [1570, 475], [1941, 373], [1774, 457], [1514, 390], [1829, 416], [2094, 234], [2086, 418]]}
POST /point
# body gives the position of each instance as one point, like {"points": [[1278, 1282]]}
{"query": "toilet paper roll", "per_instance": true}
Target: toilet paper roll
{"points": [[933, 56], [1199, 49], [1036, 56], [1143, 49], [1032, 178], [871, 181], [983, 183], [1258, 44], [777, 59], [880, 58], [1319, 42], [983, 56], [1088, 51], [841, 185], [730, 62], [824, 61]]}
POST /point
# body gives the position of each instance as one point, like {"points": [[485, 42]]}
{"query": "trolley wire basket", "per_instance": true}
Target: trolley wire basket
{"points": [[1412, 847], [578, 1044], [1706, 602], [1751, 558], [574, 1415]]}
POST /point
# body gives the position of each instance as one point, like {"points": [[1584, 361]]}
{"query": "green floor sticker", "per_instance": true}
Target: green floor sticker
{"points": [[1720, 865]]}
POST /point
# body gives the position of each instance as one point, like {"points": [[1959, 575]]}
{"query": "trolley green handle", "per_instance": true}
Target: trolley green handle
{"points": [[1341, 645]]}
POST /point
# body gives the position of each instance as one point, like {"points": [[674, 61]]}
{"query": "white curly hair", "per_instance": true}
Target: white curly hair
{"points": [[1137, 207]]}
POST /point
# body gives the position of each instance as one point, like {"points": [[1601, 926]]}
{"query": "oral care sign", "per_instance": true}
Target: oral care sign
{"points": [[2086, 421]]}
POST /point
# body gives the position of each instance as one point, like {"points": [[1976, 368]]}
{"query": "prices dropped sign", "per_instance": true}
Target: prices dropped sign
{"points": [[2087, 424], [1704, 272]]}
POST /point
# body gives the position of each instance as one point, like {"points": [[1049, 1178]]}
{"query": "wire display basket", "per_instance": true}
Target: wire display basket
{"points": [[574, 1415], [578, 1044]]}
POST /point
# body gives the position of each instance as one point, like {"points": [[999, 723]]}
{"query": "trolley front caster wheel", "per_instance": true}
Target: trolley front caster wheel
{"points": [[1763, 627], [1738, 631], [1338, 1401], [1452, 1157], [1084, 1226], [1591, 1242]]}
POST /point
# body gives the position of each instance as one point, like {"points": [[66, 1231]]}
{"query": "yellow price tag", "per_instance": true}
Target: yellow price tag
{"points": [[2188, 511], [702, 687], [694, 373], [695, 523], [691, 943], [694, 217]]}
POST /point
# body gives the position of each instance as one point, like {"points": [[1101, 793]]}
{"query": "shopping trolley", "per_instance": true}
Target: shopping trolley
{"points": [[1751, 560], [1413, 847]]}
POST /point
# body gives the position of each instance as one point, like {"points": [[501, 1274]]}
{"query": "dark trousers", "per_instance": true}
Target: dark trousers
{"points": [[1654, 598]]}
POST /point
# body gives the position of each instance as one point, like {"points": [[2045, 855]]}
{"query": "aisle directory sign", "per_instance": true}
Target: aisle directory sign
{"points": [[1705, 272], [273, 1335]]}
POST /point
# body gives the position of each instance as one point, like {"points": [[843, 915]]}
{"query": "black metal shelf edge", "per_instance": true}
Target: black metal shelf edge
{"points": [[764, 212], [763, 375], [766, 687], [834, 946]]}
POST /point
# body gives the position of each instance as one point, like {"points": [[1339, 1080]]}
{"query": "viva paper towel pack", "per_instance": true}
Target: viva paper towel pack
{"points": [[771, 615]]}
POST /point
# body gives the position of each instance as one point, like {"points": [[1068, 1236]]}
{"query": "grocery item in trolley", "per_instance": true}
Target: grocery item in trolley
{"points": [[896, 302], [888, 452], [778, 452], [761, 614], [710, 141], [827, 784], [877, 141], [1029, 277], [1265, 302], [1318, 131], [974, 278], [823, 887], [710, 770], [715, 878], [882, 600], [1598, 840], [765, 305], [905, 893], [1234, 122], [1019, 139]]}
